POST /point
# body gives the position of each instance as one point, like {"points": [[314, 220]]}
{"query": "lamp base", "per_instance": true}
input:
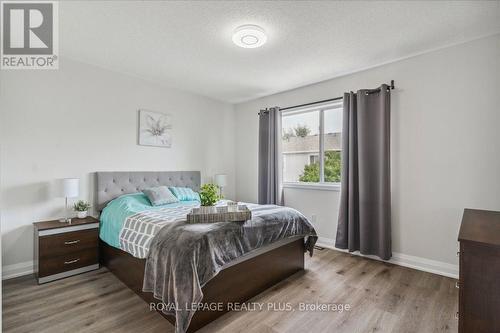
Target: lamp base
{"points": [[66, 219]]}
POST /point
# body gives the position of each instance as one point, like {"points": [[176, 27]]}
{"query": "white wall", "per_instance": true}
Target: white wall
{"points": [[320, 206], [80, 119], [445, 145]]}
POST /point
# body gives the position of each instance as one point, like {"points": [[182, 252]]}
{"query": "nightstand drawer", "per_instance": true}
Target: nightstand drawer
{"points": [[68, 242], [67, 262]]}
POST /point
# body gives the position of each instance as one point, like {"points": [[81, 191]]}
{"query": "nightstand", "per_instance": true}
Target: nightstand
{"points": [[63, 249]]}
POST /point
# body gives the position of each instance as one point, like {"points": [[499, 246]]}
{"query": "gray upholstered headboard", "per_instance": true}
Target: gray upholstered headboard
{"points": [[112, 184]]}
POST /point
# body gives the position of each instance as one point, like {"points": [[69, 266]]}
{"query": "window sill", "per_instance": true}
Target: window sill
{"points": [[314, 186]]}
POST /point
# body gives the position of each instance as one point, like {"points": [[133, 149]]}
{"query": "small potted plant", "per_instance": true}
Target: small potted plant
{"points": [[209, 195], [81, 207]]}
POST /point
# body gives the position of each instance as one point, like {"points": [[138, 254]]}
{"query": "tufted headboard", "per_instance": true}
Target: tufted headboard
{"points": [[112, 184]]}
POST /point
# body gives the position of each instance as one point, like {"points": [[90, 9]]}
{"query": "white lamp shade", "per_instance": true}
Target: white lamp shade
{"points": [[69, 187], [220, 180]]}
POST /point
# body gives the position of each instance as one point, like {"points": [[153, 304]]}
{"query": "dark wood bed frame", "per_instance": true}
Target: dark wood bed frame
{"points": [[235, 284]]}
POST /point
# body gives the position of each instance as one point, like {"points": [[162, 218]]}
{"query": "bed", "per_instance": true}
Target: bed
{"points": [[237, 281]]}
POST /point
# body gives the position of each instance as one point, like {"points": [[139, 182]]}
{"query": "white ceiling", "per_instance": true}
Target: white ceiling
{"points": [[188, 45]]}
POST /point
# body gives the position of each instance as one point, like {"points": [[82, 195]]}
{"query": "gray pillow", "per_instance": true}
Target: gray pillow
{"points": [[160, 195]]}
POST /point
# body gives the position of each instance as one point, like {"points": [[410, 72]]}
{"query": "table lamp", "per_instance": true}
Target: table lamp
{"points": [[221, 181], [69, 188]]}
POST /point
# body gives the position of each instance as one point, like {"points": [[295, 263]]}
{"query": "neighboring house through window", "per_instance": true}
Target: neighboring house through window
{"points": [[311, 144], [313, 159]]}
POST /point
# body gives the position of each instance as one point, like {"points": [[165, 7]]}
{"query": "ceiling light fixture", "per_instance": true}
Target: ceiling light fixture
{"points": [[249, 36]]}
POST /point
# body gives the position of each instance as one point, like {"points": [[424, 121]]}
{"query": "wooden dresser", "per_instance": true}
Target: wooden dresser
{"points": [[65, 249], [479, 296]]}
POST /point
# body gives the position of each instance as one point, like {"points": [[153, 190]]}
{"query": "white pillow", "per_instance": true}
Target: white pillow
{"points": [[160, 195]]}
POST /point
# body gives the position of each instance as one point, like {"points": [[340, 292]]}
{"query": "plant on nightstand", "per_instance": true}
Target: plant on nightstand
{"points": [[209, 195], [81, 207]]}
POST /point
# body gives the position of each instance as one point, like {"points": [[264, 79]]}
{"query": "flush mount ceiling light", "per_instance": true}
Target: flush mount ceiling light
{"points": [[249, 36]]}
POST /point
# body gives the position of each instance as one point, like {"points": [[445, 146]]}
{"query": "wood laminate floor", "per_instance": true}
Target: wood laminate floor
{"points": [[382, 298]]}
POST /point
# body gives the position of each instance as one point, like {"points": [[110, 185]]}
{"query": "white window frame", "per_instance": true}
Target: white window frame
{"points": [[321, 185]]}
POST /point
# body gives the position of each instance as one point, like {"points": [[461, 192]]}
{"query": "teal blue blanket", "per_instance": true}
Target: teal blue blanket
{"points": [[116, 212]]}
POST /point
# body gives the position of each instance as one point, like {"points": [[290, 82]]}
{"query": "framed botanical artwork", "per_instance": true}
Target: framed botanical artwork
{"points": [[155, 129]]}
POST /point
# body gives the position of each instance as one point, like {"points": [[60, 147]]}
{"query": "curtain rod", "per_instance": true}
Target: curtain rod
{"points": [[391, 87]]}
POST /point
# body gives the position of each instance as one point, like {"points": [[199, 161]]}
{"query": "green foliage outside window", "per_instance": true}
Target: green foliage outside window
{"points": [[302, 131], [287, 134], [332, 169]]}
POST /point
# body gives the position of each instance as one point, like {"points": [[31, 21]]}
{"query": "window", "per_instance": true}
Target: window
{"points": [[313, 159], [311, 145]]}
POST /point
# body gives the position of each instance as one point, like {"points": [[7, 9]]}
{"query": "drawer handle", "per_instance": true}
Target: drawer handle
{"points": [[71, 261], [72, 242], [458, 253], [457, 285]]}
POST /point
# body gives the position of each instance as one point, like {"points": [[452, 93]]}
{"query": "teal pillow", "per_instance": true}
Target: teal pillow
{"points": [[160, 195], [185, 194]]}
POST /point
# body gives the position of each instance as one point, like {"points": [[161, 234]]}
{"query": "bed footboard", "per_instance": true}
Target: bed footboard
{"points": [[235, 284]]}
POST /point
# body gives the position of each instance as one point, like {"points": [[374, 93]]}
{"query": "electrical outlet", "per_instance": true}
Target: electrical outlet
{"points": [[313, 218]]}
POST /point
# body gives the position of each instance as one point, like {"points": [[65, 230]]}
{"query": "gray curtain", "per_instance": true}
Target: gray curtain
{"points": [[364, 222], [270, 163]]}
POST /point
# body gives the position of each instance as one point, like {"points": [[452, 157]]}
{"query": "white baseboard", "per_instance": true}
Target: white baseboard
{"points": [[419, 263], [15, 270]]}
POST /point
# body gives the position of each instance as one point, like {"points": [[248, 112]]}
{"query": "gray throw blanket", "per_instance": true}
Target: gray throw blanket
{"points": [[184, 257]]}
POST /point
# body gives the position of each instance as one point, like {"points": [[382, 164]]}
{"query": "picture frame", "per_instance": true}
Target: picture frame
{"points": [[155, 129]]}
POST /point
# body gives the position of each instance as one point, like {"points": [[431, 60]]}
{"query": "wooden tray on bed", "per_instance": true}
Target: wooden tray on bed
{"points": [[230, 213]]}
